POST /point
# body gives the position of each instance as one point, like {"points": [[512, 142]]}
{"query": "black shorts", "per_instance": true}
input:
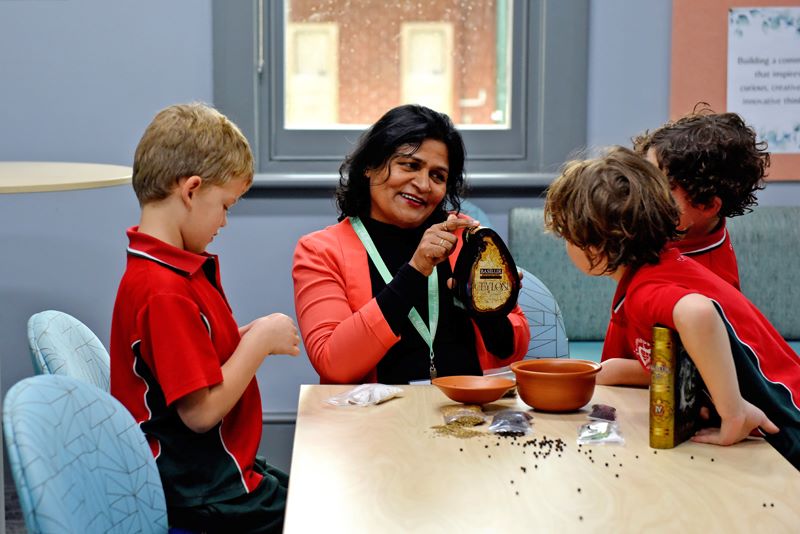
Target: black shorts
{"points": [[774, 399], [261, 510]]}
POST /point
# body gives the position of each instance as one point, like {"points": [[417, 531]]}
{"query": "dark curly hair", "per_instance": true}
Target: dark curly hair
{"points": [[619, 204], [403, 126], [710, 154]]}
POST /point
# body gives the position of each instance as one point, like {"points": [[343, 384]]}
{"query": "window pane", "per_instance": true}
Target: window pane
{"points": [[348, 61]]}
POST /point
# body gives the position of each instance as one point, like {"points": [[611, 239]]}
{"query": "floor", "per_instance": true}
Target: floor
{"points": [[15, 524]]}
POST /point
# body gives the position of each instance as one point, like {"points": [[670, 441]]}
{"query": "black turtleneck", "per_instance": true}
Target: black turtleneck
{"points": [[454, 346]]}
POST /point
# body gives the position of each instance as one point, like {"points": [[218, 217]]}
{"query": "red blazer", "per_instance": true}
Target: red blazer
{"points": [[343, 329]]}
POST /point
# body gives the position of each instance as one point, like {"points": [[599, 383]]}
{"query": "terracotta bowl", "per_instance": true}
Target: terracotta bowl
{"points": [[554, 385], [473, 389]]}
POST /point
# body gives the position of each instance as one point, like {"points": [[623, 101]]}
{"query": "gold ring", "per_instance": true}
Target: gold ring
{"points": [[442, 242]]}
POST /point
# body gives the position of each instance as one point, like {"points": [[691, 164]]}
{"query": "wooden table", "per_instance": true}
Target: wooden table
{"points": [[35, 176], [382, 469]]}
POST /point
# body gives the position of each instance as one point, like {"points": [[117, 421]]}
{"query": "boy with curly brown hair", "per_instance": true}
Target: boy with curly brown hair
{"points": [[620, 220], [715, 165]]}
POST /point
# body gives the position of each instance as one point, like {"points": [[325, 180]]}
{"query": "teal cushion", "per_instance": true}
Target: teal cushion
{"points": [[585, 301], [767, 246], [586, 350]]}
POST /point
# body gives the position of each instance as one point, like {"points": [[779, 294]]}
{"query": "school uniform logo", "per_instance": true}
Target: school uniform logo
{"points": [[641, 350]]}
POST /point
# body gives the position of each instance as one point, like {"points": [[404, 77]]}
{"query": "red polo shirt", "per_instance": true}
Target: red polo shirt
{"points": [[171, 332], [648, 295], [714, 251]]}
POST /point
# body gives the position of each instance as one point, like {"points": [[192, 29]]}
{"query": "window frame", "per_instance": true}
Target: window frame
{"points": [[547, 112]]}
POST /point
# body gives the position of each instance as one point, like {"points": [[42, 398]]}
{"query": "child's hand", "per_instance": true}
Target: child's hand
{"points": [[735, 428], [273, 334]]}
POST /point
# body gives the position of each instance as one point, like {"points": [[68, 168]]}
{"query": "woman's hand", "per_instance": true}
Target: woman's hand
{"points": [[437, 243]]}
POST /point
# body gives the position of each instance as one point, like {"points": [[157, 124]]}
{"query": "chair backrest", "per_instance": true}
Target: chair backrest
{"points": [[473, 210], [585, 301], [79, 460], [548, 336], [767, 245], [62, 345]]}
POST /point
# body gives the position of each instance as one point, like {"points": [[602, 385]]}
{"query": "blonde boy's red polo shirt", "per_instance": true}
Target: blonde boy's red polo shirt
{"points": [[714, 251], [171, 332]]}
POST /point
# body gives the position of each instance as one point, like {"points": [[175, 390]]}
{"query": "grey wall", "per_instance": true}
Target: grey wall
{"points": [[79, 81]]}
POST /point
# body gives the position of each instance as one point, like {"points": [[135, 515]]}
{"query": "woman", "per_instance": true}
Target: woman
{"points": [[364, 288]]}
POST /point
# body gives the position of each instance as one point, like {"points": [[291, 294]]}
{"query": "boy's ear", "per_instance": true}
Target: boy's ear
{"points": [[188, 187], [712, 208]]}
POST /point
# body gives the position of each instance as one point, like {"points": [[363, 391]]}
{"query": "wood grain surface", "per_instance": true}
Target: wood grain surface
{"points": [[383, 469]]}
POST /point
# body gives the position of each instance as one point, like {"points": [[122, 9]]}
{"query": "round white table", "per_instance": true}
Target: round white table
{"points": [[35, 176]]}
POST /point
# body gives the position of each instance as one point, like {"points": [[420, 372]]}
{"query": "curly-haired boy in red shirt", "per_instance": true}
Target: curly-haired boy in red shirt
{"points": [[619, 219]]}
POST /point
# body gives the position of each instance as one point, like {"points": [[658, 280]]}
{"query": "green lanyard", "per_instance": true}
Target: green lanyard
{"points": [[428, 333]]}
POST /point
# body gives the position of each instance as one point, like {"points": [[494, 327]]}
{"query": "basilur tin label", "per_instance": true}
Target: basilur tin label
{"points": [[487, 281], [676, 391]]}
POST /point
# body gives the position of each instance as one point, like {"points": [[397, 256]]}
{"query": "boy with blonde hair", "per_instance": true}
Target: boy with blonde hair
{"points": [[619, 219], [179, 361]]}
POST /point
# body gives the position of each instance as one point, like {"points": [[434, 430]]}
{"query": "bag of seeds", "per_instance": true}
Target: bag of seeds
{"points": [[365, 395], [603, 412], [596, 432], [463, 415], [511, 423]]}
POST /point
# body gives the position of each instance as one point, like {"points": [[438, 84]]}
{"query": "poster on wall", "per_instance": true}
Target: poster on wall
{"points": [[764, 73]]}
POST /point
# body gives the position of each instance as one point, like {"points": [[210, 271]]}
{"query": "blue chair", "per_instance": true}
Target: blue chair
{"points": [[62, 345], [79, 460], [548, 337], [474, 211]]}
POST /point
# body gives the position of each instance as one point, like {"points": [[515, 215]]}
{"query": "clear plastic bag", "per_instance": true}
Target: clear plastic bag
{"points": [[511, 423], [596, 432], [463, 415], [603, 412], [365, 395]]}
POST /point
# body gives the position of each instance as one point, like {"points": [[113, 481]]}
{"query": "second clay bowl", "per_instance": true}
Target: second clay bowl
{"points": [[555, 385]]}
